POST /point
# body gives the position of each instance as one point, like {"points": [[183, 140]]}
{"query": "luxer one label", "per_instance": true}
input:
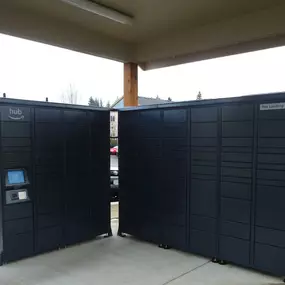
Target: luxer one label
{"points": [[272, 106], [16, 114]]}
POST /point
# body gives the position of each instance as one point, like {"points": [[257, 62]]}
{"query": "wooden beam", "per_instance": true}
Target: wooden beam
{"points": [[130, 84]]}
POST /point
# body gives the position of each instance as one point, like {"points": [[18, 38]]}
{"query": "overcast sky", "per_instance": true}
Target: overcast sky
{"points": [[31, 70]]}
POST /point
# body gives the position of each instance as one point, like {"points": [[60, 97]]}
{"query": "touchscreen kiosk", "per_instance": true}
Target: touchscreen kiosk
{"points": [[16, 182], [15, 177]]}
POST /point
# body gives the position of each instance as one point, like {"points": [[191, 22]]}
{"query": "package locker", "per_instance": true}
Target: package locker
{"points": [[54, 163], [214, 178]]}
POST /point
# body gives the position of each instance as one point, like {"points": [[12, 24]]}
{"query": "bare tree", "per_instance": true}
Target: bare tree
{"points": [[70, 96], [199, 96]]}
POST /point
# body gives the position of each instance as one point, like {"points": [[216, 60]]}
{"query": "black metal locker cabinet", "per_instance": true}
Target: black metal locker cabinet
{"points": [[220, 180], [54, 176], [17, 199], [203, 183]]}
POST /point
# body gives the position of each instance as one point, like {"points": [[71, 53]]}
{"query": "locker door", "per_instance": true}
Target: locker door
{"points": [[270, 194], [78, 224], [49, 174], [236, 183], [203, 181]]}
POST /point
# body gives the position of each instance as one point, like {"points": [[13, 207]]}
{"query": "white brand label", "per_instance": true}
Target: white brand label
{"points": [[272, 106], [16, 114]]}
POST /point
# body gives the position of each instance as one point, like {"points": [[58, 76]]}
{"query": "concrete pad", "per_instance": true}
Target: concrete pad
{"points": [[215, 274], [123, 261]]}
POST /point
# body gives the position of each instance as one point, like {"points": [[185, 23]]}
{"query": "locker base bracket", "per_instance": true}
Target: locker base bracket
{"points": [[164, 246], [120, 234], [215, 260], [109, 234], [222, 262]]}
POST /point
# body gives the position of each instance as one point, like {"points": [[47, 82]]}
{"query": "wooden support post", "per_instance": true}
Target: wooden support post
{"points": [[130, 84]]}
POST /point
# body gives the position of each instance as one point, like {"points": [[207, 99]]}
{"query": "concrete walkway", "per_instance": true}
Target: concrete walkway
{"points": [[125, 261]]}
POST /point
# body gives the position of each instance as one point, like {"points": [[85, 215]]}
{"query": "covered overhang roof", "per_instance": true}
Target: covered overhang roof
{"points": [[161, 32]]}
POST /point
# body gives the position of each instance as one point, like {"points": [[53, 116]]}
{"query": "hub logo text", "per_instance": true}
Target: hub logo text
{"points": [[16, 114]]}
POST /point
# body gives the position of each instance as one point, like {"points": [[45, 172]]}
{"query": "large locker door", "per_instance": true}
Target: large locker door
{"points": [[236, 183], [99, 172], [204, 181], [173, 177], [78, 222], [140, 162], [49, 174], [129, 173], [270, 194], [146, 203], [16, 139]]}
